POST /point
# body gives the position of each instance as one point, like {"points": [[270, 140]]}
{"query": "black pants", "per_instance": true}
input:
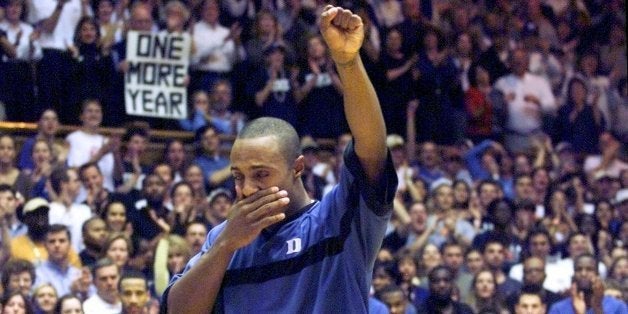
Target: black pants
{"points": [[17, 91], [53, 75]]}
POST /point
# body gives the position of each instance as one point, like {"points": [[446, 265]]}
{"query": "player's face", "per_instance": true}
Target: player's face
{"points": [[257, 164]]}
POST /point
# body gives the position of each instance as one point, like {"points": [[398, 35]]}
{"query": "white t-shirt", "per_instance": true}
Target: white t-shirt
{"points": [[73, 219], [63, 34], [23, 48], [82, 147], [96, 305]]}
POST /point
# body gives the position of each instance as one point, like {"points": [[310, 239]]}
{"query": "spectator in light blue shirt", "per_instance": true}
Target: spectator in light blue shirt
{"points": [[57, 270]]}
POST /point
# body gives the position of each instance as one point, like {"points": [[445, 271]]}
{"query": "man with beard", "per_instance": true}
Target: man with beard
{"points": [[149, 216], [533, 278], [587, 291], [95, 235], [500, 214], [441, 285], [31, 245], [195, 233]]}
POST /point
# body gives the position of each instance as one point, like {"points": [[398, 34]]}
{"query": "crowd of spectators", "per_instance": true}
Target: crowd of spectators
{"points": [[508, 125]]}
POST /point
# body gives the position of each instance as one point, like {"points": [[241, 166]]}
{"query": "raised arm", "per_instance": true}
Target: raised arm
{"points": [[343, 32]]}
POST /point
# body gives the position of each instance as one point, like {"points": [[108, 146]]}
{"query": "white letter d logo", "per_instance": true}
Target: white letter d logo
{"points": [[294, 245]]}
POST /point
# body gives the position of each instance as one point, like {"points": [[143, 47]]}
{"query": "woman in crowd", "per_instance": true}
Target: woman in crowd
{"points": [[579, 122], [273, 86], [319, 93], [44, 299], [397, 67], [119, 249], [92, 69], [183, 209], [265, 33], [430, 257], [47, 128], [9, 174], [175, 156], [462, 194], [557, 219], [605, 218], [193, 175], [171, 256], [484, 294], [15, 303], [43, 165], [115, 217], [69, 304], [439, 93]]}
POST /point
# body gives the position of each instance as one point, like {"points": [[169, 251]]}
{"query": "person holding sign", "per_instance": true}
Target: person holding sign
{"points": [[281, 251]]}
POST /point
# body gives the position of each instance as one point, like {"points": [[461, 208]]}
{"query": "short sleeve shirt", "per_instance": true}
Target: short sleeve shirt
{"points": [[317, 262]]}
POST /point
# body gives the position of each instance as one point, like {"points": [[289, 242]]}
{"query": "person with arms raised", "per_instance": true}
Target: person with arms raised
{"points": [[278, 242]]}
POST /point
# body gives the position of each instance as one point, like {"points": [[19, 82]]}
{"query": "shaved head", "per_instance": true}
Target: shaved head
{"points": [[285, 134]]}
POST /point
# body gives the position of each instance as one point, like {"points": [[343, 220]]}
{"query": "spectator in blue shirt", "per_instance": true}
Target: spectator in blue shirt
{"points": [[587, 291]]}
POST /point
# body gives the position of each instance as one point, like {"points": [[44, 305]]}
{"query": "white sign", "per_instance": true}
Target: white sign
{"points": [[155, 81]]}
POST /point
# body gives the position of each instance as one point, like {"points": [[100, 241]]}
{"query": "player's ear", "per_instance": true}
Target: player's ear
{"points": [[298, 166]]}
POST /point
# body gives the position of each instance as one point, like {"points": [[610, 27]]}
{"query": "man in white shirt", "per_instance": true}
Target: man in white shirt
{"points": [[64, 210], [216, 48], [106, 300], [528, 97]]}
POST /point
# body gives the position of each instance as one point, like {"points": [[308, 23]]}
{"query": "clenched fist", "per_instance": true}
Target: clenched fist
{"points": [[343, 32]]}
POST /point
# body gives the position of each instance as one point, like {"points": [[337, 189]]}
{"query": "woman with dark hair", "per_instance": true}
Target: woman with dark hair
{"points": [[557, 219], [604, 215], [193, 176], [462, 194], [440, 116], [319, 93], [479, 105], [69, 304], [273, 86], [176, 157], [579, 122], [619, 269], [92, 69], [484, 294], [15, 303], [184, 210], [397, 90]]}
